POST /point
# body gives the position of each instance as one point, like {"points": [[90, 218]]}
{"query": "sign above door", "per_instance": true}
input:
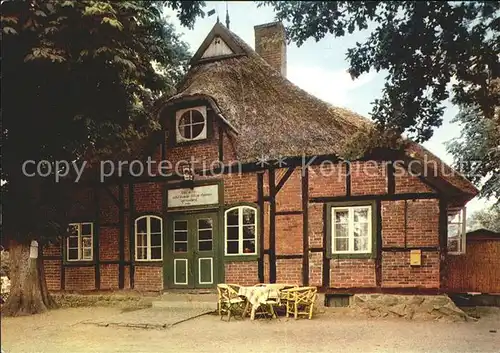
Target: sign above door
{"points": [[198, 196]]}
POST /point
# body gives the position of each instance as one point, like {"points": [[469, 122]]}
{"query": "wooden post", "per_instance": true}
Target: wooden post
{"points": [[272, 226], [305, 226]]}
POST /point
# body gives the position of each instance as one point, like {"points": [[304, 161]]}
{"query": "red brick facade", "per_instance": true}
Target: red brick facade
{"points": [[405, 221]]}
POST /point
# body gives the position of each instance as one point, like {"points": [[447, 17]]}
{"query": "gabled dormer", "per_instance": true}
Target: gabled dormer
{"points": [[219, 44]]}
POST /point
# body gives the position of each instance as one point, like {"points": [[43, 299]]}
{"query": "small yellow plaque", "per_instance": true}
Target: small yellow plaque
{"points": [[415, 257]]}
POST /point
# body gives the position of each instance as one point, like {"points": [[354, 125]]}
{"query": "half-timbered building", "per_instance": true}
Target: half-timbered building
{"points": [[259, 191]]}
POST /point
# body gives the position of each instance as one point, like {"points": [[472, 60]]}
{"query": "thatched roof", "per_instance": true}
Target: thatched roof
{"points": [[271, 115]]}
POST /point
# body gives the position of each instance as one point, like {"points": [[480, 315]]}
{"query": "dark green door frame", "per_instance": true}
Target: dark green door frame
{"points": [[192, 253]]}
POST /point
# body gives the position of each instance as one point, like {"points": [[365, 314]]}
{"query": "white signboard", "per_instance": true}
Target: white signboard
{"points": [[199, 196]]}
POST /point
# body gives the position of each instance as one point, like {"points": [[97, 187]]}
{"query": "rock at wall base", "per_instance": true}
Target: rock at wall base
{"points": [[411, 307]]}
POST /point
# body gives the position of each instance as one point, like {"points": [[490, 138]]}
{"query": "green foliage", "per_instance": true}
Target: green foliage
{"points": [[424, 46], [79, 79], [488, 218], [477, 150]]}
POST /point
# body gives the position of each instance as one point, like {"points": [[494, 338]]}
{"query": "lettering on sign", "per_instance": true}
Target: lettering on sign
{"points": [[199, 196]]}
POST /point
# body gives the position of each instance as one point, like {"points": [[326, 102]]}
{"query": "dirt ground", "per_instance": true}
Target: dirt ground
{"points": [[65, 330]]}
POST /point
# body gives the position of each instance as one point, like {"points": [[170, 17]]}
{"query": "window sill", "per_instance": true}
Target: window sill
{"points": [[148, 262], [351, 256], [238, 258]]}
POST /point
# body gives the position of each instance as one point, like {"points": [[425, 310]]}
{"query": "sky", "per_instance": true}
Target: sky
{"points": [[319, 68]]}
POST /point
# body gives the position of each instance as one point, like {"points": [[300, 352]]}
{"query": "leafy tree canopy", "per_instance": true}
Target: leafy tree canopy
{"points": [[78, 78], [422, 45], [477, 150], [488, 218]]}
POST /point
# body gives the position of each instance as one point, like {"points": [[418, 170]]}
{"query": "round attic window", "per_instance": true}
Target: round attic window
{"points": [[191, 124]]}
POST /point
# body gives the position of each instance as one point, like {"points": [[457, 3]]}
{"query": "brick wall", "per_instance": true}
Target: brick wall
{"points": [[109, 276], [148, 278], [53, 274], [108, 243], [316, 269], [423, 223], [346, 273], [289, 198], [243, 272], [413, 220], [289, 234], [327, 180], [368, 178], [397, 272], [393, 223], [79, 278], [240, 188], [316, 223], [203, 152], [405, 183], [148, 197], [289, 271]]}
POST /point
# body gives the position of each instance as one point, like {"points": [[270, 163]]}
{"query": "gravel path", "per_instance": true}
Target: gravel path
{"points": [[64, 330]]}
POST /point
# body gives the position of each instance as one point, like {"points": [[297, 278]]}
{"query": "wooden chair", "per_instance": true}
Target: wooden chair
{"points": [[228, 300], [300, 301], [267, 308]]}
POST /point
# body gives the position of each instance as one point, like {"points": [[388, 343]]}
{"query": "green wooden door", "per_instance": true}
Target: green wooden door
{"points": [[191, 259]]}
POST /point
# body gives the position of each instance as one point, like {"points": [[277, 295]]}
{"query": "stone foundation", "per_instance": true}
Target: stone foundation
{"points": [[423, 307]]}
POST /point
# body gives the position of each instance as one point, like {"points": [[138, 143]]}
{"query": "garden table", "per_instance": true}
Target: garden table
{"points": [[260, 294]]}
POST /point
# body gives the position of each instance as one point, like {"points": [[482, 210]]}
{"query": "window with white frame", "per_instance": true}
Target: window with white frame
{"points": [[351, 230], [240, 224], [79, 244], [191, 124], [456, 230], [148, 238]]}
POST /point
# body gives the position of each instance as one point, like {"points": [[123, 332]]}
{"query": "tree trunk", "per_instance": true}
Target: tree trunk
{"points": [[27, 293]]}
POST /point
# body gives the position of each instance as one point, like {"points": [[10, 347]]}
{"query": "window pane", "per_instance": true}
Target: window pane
{"points": [[453, 244], [142, 240], [205, 223], [87, 254], [197, 130], [73, 254], [180, 225], [185, 119], [186, 131], [141, 226], [196, 117], [361, 215], [248, 246], [249, 232], [155, 239], [232, 247], [180, 236], [155, 225], [155, 253], [205, 245], [141, 253], [232, 233], [73, 229], [180, 247], [73, 242], [86, 229], [341, 216], [361, 244], [205, 235], [248, 215], [453, 230], [341, 244], [360, 229], [341, 230], [232, 217], [87, 242]]}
